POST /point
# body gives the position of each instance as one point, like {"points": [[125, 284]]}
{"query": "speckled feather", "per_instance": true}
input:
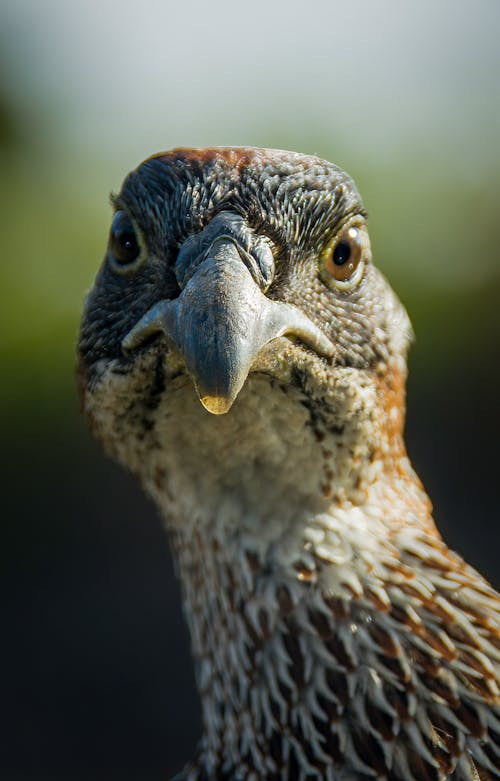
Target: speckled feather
{"points": [[334, 634]]}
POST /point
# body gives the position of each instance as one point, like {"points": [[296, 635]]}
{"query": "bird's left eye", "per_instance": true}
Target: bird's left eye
{"points": [[124, 249], [343, 258]]}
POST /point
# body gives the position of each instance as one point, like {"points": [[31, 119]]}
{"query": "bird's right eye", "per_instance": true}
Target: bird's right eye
{"points": [[344, 257], [125, 250]]}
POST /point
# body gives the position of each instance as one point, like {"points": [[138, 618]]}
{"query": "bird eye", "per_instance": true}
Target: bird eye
{"points": [[343, 258], [124, 248]]}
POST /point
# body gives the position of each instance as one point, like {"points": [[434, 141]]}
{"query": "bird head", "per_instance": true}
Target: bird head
{"points": [[241, 354], [224, 265]]}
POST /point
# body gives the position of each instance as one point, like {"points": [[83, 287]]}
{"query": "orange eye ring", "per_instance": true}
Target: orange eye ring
{"points": [[343, 258]]}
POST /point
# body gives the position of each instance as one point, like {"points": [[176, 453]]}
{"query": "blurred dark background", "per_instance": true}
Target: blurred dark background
{"points": [[95, 675]]}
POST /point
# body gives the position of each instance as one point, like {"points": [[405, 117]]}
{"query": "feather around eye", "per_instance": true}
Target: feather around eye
{"points": [[343, 258], [125, 249]]}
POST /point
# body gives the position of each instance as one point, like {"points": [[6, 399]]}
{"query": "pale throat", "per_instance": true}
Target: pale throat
{"points": [[268, 465], [257, 478], [262, 480], [268, 508]]}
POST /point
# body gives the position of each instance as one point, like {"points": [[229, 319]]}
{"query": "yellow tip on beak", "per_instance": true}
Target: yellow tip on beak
{"points": [[217, 405]]}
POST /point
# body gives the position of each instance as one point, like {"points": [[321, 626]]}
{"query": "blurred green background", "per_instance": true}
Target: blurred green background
{"points": [[96, 679]]}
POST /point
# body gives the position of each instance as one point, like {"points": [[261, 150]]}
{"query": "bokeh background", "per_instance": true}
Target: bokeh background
{"points": [[95, 679]]}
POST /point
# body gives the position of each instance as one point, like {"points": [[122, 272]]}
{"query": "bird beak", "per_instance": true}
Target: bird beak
{"points": [[220, 322]]}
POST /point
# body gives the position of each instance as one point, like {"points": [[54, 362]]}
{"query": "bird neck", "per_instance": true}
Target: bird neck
{"points": [[279, 458], [278, 517], [274, 627]]}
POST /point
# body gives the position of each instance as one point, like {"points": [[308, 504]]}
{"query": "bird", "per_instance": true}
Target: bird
{"points": [[243, 357]]}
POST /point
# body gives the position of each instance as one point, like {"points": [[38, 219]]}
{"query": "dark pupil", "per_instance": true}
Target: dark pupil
{"points": [[124, 244], [341, 253]]}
